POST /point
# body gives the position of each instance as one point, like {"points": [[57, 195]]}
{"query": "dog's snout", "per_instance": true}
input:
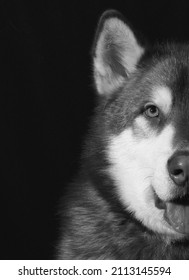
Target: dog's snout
{"points": [[178, 168]]}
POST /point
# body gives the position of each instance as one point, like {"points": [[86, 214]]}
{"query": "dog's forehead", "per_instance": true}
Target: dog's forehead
{"points": [[173, 72], [168, 82]]}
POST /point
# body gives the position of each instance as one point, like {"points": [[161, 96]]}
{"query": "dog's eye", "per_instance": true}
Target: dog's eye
{"points": [[151, 111]]}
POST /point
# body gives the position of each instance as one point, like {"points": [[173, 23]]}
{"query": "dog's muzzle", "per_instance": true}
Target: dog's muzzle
{"points": [[178, 168], [177, 211]]}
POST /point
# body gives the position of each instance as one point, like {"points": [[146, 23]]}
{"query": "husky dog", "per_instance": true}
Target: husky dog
{"points": [[131, 198]]}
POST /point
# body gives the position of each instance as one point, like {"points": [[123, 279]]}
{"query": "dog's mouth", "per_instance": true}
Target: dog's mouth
{"points": [[176, 212]]}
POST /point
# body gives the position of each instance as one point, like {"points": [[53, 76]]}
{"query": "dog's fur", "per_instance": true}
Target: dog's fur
{"points": [[110, 211]]}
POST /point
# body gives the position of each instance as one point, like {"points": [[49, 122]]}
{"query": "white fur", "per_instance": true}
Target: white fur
{"points": [[163, 98], [139, 167], [130, 52], [105, 81]]}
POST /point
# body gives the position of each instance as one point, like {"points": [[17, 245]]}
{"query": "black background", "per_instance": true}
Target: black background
{"points": [[46, 100]]}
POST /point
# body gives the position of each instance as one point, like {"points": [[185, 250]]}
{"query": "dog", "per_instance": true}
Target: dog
{"points": [[131, 197]]}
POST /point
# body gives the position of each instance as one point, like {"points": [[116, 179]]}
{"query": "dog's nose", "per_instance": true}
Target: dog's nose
{"points": [[178, 167]]}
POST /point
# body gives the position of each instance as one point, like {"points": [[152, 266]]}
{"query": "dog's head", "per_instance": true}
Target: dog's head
{"points": [[146, 122]]}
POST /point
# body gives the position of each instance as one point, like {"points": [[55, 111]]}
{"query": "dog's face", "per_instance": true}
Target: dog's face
{"points": [[146, 119]]}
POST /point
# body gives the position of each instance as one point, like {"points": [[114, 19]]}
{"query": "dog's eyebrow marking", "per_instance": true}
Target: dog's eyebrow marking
{"points": [[162, 97]]}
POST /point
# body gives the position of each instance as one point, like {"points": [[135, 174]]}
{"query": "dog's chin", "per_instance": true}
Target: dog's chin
{"points": [[176, 213]]}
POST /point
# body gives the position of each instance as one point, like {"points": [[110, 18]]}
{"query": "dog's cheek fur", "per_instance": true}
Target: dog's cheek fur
{"points": [[136, 172]]}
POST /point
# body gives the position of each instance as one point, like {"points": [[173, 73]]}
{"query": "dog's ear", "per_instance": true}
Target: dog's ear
{"points": [[116, 52]]}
